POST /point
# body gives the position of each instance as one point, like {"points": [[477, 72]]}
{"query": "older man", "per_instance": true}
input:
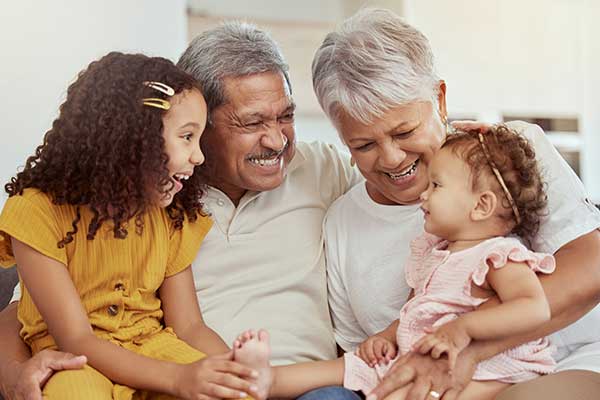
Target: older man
{"points": [[262, 264]]}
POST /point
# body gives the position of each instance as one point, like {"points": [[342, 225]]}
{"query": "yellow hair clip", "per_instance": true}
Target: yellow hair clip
{"points": [[156, 102]]}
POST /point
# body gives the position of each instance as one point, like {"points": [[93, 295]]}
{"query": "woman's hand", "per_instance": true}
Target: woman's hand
{"points": [[427, 374], [450, 339], [376, 350], [214, 377]]}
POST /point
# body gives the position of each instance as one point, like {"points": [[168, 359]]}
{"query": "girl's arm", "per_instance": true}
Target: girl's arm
{"points": [[52, 290], [523, 308], [182, 313]]}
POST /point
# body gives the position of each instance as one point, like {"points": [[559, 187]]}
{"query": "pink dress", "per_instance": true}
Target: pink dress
{"points": [[442, 284]]}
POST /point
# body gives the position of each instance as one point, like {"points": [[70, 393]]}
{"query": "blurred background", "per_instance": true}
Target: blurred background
{"points": [[535, 60]]}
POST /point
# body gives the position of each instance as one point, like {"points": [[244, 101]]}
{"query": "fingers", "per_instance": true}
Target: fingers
{"points": [[420, 389], [426, 343], [439, 349], [234, 383], [395, 379], [368, 354], [451, 394], [235, 368], [216, 391], [59, 361], [390, 352]]}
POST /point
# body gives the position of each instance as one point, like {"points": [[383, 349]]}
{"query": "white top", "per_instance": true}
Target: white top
{"points": [[367, 245]]}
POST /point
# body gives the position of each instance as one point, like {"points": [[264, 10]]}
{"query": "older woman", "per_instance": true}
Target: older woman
{"points": [[375, 80]]}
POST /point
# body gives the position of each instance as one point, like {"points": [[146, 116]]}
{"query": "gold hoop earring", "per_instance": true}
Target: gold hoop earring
{"points": [[352, 162]]}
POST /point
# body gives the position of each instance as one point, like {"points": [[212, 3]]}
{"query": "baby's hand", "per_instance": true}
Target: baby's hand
{"points": [[450, 338], [376, 350]]}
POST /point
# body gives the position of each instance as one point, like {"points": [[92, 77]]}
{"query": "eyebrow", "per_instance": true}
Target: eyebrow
{"points": [[290, 108], [190, 125], [396, 128]]}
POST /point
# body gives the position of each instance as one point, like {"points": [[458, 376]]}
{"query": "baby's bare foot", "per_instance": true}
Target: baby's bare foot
{"points": [[254, 351]]}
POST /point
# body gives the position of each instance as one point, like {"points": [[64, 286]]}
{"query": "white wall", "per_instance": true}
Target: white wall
{"points": [[46, 43]]}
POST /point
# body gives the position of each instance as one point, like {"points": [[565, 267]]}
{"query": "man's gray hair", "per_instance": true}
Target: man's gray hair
{"points": [[372, 63], [232, 49]]}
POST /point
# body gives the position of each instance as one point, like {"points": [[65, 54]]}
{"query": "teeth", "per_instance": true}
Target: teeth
{"points": [[182, 177], [408, 171], [262, 162]]}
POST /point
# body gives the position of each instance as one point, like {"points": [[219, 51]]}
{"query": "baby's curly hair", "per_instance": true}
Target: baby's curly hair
{"points": [[106, 149], [515, 159]]}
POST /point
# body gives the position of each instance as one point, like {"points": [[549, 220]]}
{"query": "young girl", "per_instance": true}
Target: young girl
{"points": [[103, 223], [482, 188]]}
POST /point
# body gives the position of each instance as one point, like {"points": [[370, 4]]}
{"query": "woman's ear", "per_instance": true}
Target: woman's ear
{"points": [[485, 207]]}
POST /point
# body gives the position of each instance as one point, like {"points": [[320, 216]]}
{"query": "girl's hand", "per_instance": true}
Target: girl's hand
{"points": [[450, 339], [214, 377], [376, 350]]}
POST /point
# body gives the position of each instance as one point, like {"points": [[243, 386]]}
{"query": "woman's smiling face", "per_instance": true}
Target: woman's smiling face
{"points": [[394, 151]]}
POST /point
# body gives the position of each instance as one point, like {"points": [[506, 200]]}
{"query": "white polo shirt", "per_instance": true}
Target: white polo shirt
{"points": [[262, 265], [367, 245]]}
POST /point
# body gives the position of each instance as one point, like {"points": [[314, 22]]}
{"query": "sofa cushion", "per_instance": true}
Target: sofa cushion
{"points": [[8, 280]]}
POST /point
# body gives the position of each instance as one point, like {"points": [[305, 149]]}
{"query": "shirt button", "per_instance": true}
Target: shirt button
{"points": [[113, 310], [119, 287], [220, 203]]}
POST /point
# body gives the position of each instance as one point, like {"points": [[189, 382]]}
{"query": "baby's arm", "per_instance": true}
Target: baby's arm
{"points": [[523, 308], [55, 296]]}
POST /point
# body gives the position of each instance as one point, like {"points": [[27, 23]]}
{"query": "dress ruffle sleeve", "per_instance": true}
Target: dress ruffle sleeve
{"points": [[416, 269], [512, 250]]}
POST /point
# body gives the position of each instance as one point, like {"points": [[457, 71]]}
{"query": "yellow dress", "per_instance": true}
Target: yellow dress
{"points": [[117, 281]]}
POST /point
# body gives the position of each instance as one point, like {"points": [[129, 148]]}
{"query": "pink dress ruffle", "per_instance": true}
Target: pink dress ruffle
{"points": [[442, 282]]}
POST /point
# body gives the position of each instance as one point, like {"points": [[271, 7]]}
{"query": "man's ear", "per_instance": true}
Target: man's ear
{"points": [[485, 206]]}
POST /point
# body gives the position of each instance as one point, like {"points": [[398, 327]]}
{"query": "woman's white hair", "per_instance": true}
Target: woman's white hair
{"points": [[372, 63]]}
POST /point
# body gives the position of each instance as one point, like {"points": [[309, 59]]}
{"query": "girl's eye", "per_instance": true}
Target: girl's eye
{"points": [[188, 136]]}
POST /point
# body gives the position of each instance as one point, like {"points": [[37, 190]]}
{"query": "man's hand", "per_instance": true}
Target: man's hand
{"points": [[24, 381], [376, 350], [427, 374], [450, 339]]}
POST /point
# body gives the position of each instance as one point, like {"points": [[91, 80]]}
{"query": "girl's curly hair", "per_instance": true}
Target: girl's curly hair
{"points": [[106, 151], [515, 159]]}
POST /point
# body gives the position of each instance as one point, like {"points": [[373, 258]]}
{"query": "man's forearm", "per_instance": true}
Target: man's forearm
{"points": [[572, 291]]}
